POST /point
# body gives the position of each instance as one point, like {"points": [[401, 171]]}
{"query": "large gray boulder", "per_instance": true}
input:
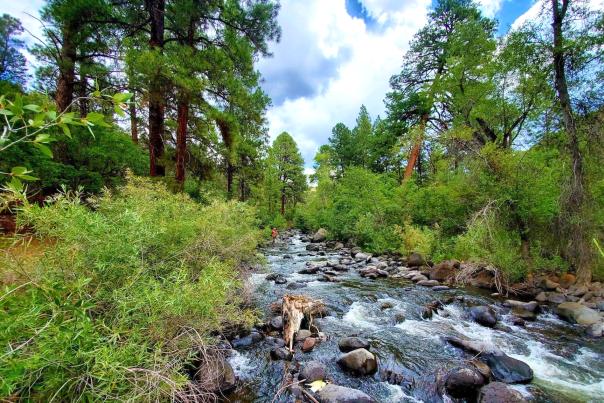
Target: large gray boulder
{"points": [[340, 394], [360, 362], [498, 392], [575, 312]]}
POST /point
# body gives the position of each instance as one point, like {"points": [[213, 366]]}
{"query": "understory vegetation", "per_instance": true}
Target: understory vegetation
{"points": [[130, 285]]}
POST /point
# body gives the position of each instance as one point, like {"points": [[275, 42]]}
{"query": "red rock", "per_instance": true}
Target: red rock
{"points": [[309, 344]]}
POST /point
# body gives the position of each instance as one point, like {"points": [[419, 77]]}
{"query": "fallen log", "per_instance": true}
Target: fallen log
{"points": [[295, 308]]}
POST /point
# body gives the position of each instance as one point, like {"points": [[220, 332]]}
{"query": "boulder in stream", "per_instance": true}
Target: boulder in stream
{"points": [[216, 375], [464, 382], [313, 371], [359, 361], [484, 315], [348, 344], [252, 338], [281, 353], [503, 367], [574, 312], [415, 260], [498, 392], [340, 394]]}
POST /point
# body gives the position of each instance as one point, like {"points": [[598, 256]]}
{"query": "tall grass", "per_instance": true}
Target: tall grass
{"points": [[131, 286]]}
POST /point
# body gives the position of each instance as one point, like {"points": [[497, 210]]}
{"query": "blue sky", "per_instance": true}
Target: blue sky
{"points": [[334, 56]]}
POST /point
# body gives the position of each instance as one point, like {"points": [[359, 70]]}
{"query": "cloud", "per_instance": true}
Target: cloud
{"points": [[27, 11], [490, 7], [359, 62], [540, 11]]}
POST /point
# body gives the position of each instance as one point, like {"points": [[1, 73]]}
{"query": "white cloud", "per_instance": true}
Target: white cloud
{"points": [[27, 11], [372, 57], [540, 11], [490, 7]]}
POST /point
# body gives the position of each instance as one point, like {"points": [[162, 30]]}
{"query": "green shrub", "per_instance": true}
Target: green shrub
{"points": [[124, 296]]}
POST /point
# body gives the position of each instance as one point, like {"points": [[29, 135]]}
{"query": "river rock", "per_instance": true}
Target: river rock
{"points": [[440, 288], [579, 291], [574, 312], [523, 313], [313, 371], [503, 367], [281, 353], [567, 279], [507, 369], [274, 341], [217, 375], [319, 236], [313, 247], [309, 344], [444, 271], [419, 277], [464, 382], [415, 260], [338, 246], [362, 257], [428, 283], [348, 344], [246, 341], [309, 270], [296, 285], [498, 392], [483, 315], [541, 297], [556, 297], [277, 322], [595, 329], [302, 334], [359, 361], [550, 285], [340, 394]]}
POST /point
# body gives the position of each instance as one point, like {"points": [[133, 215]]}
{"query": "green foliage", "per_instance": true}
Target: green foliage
{"points": [[123, 296]]}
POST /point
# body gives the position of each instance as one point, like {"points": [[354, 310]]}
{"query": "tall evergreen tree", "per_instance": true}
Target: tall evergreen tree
{"points": [[12, 62], [286, 171]]}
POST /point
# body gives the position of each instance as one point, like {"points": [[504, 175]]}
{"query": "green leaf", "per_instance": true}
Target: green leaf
{"points": [[18, 171], [33, 108], [119, 111], [45, 150], [42, 138], [121, 97], [97, 119], [66, 130], [52, 115], [15, 185], [28, 178], [5, 112]]}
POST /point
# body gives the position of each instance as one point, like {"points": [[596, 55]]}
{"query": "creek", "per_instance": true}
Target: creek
{"points": [[567, 366]]}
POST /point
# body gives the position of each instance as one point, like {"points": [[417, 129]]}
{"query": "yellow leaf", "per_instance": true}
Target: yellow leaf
{"points": [[317, 385]]}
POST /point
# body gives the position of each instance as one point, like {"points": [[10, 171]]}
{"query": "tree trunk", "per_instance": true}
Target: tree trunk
{"points": [[229, 171], [82, 95], [181, 138], [133, 118], [66, 81], [156, 10], [417, 147], [282, 203], [578, 246]]}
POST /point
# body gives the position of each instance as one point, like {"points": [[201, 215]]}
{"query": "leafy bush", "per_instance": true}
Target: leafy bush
{"points": [[84, 160], [124, 295]]}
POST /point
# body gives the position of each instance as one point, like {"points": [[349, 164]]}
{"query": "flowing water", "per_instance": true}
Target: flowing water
{"points": [[567, 366]]}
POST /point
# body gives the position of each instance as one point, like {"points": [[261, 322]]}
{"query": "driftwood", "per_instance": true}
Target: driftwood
{"points": [[295, 308]]}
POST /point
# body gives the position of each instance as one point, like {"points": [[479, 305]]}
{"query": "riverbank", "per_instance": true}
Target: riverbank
{"points": [[414, 359]]}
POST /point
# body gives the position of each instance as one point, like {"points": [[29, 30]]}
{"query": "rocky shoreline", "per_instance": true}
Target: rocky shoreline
{"points": [[484, 375]]}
